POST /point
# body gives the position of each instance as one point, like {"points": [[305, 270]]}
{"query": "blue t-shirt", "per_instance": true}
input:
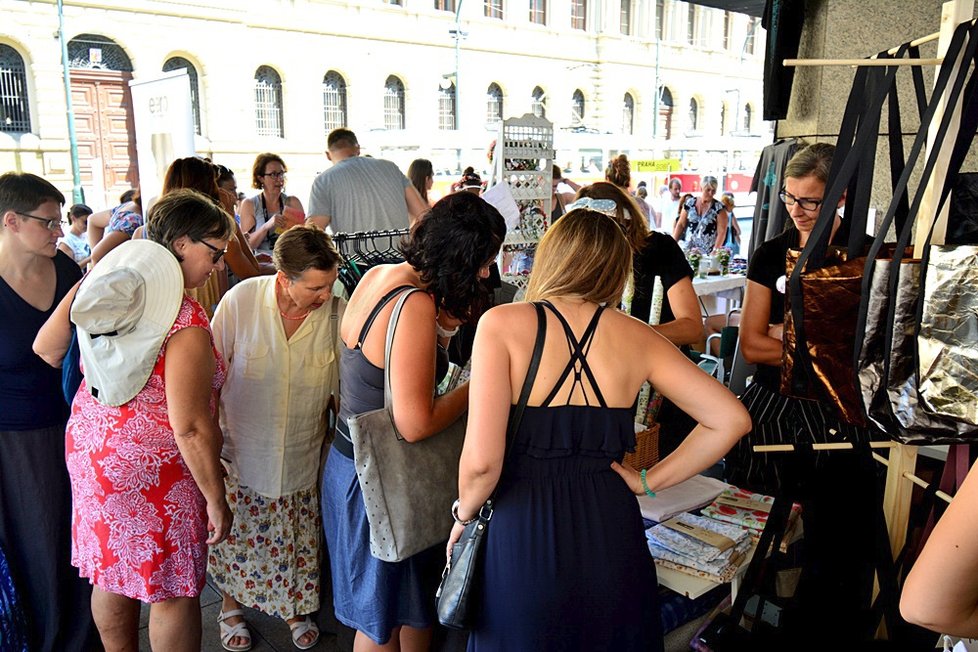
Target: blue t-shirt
{"points": [[30, 389]]}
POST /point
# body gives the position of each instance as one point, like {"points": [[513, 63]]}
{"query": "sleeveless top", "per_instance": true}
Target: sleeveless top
{"points": [[262, 215]]}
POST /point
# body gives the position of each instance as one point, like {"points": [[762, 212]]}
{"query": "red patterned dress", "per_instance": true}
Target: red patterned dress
{"points": [[139, 522]]}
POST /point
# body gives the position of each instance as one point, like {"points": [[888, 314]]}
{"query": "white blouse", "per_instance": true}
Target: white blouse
{"points": [[276, 390]]}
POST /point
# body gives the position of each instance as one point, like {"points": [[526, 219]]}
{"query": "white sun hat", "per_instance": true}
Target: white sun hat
{"points": [[123, 310]]}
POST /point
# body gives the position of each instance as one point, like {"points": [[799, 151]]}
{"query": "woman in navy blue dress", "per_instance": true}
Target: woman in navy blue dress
{"points": [[566, 564]]}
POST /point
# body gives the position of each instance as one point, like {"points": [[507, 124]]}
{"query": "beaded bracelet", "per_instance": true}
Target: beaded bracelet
{"points": [[645, 485]]}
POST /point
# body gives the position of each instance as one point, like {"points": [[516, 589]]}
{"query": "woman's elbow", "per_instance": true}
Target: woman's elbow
{"points": [[919, 610]]}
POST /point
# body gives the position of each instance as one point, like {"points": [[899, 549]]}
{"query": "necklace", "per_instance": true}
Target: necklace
{"points": [[297, 317]]}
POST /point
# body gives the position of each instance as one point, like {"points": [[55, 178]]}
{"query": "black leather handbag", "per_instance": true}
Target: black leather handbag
{"points": [[457, 589]]}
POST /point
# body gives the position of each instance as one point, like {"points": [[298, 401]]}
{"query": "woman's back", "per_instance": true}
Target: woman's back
{"points": [[566, 565]]}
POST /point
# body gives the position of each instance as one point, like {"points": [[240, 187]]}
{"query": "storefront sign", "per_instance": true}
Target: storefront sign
{"points": [[657, 165]]}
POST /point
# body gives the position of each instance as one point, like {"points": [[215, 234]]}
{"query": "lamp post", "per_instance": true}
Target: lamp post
{"points": [[458, 35], [77, 192]]}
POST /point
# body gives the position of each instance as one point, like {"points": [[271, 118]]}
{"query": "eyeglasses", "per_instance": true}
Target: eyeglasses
{"points": [[50, 224], [218, 253], [805, 203], [276, 175], [607, 207]]}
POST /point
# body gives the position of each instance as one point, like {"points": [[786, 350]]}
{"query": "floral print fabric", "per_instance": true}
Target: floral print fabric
{"points": [[270, 560], [139, 523]]}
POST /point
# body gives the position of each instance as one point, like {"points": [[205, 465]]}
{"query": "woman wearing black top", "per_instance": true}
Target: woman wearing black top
{"points": [[835, 490], [654, 254]]}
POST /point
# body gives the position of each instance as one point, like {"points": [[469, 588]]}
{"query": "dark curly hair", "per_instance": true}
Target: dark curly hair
{"points": [[449, 245]]}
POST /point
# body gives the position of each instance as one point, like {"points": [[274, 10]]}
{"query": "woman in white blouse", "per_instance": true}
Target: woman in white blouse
{"points": [[279, 336]]}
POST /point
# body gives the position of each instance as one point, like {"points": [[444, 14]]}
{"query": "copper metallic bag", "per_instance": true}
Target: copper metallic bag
{"points": [[830, 304]]}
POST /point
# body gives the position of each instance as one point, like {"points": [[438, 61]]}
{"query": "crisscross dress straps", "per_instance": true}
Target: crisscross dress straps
{"points": [[376, 311], [578, 358]]}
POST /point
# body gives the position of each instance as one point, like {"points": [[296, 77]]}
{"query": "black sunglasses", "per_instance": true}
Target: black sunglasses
{"points": [[218, 253]]}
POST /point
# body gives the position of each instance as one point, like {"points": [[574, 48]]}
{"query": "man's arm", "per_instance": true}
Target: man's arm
{"points": [[322, 221]]}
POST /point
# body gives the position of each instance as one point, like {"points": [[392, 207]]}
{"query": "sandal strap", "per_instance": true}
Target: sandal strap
{"points": [[231, 631], [302, 627], [221, 617]]}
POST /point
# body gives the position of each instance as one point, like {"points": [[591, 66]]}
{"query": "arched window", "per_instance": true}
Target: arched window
{"points": [[664, 124], [628, 115], [268, 102], [393, 103], [15, 110], [577, 109], [494, 104], [694, 114], [446, 108], [97, 52], [176, 63], [537, 103], [334, 101], [748, 110]]}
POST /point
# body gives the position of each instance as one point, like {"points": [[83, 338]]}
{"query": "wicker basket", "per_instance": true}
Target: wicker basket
{"points": [[646, 453]]}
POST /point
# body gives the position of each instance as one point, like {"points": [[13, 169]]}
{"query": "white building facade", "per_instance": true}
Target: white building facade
{"points": [[650, 78]]}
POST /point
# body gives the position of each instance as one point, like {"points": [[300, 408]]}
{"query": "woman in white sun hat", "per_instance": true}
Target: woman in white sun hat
{"points": [[142, 443]]}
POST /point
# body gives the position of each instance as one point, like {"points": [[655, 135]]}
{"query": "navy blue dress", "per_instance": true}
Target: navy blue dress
{"points": [[566, 565]]}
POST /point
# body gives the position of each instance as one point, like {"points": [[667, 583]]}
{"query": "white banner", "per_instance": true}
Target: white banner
{"points": [[164, 128]]}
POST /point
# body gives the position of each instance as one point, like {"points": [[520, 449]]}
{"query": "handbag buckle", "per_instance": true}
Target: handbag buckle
{"points": [[485, 512]]}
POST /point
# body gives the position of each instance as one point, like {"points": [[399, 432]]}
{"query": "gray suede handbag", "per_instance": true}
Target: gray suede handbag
{"points": [[408, 488]]}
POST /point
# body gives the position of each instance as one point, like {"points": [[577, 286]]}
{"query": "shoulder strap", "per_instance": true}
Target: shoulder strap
{"points": [[516, 417], [334, 324], [376, 311]]}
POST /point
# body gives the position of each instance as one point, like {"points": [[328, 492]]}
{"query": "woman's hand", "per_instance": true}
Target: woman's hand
{"points": [[279, 220], [453, 539], [219, 519], [631, 477]]}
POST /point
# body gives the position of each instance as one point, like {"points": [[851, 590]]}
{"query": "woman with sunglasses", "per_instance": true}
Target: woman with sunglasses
{"points": [[264, 215]]}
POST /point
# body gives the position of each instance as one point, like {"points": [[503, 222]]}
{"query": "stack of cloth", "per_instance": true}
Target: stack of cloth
{"points": [[750, 512], [699, 546]]}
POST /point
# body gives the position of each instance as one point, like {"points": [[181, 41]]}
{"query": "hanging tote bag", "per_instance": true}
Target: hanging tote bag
{"points": [[407, 487], [458, 581], [886, 350], [823, 298]]}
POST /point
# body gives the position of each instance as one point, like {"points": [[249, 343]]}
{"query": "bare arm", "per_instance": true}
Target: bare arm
{"points": [[189, 371], [722, 419], [687, 327], [415, 204], [417, 413], [756, 342], [680, 228], [941, 592], [111, 240], [723, 220], [54, 338], [485, 436], [254, 236], [239, 257], [96, 226], [322, 221]]}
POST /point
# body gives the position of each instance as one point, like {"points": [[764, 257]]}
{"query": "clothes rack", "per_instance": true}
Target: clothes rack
{"points": [[361, 250]]}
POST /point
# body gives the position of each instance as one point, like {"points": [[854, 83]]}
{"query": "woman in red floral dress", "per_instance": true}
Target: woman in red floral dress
{"points": [[147, 488]]}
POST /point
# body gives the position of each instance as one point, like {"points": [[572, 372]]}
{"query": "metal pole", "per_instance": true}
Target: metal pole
{"points": [[658, 93], [77, 192], [458, 80]]}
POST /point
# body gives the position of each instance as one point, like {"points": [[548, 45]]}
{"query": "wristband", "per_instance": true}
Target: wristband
{"points": [[443, 332], [455, 514], [645, 485]]}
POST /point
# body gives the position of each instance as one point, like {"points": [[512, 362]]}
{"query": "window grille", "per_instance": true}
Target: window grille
{"points": [[446, 108], [97, 52], [577, 109], [268, 102], [494, 105], [15, 113], [394, 103], [537, 105], [334, 101]]}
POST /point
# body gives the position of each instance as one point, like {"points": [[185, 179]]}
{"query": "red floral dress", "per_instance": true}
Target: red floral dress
{"points": [[139, 522]]}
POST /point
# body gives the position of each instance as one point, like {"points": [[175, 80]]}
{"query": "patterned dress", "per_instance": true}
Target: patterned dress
{"points": [[139, 522]]}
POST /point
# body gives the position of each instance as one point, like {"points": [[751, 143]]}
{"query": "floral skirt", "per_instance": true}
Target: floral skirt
{"points": [[270, 560]]}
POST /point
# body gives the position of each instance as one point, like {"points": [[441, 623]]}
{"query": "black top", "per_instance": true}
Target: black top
{"points": [[662, 257], [30, 389], [767, 268]]}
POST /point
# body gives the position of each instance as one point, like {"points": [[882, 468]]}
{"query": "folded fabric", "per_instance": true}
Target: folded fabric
{"points": [[684, 544], [744, 515], [718, 571], [683, 497]]}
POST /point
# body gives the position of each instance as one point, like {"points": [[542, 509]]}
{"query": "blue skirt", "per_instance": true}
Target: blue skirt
{"points": [[370, 595]]}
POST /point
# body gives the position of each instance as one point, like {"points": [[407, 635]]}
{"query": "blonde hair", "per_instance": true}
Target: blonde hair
{"points": [[601, 255], [628, 214]]}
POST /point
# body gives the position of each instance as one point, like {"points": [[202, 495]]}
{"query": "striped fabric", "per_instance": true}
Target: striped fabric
{"points": [[780, 419]]}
